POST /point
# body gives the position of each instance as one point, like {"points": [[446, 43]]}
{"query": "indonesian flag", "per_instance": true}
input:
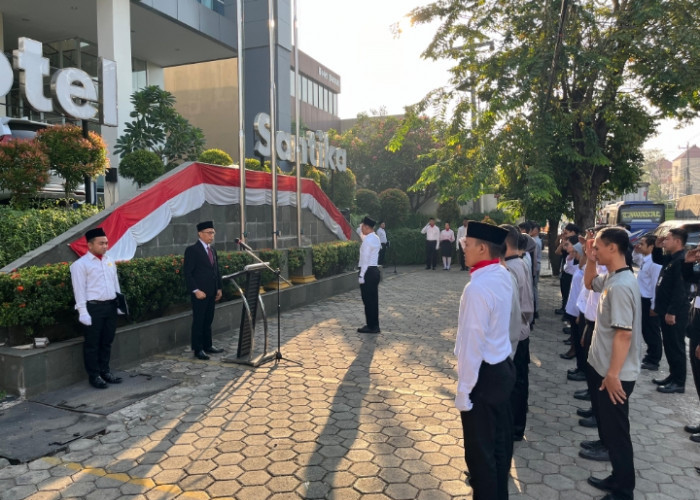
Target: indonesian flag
{"points": [[142, 218]]}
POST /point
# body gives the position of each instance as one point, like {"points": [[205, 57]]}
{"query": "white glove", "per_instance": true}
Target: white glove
{"points": [[361, 280], [85, 319], [462, 402]]}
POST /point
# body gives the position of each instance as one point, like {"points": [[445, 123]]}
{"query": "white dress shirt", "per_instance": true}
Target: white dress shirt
{"points": [[369, 253], [591, 312], [574, 293], [447, 234], [93, 279], [482, 331], [461, 233], [647, 277], [432, 233], [382, 235]]}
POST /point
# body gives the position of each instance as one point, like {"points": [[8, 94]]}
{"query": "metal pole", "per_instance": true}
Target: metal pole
{"points": [[297, 114], [241, 119], [273, 124]]}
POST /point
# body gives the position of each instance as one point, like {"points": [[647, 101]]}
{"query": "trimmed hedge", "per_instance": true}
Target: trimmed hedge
{"points": [[406, 247], [24, 230], [39, 300]]}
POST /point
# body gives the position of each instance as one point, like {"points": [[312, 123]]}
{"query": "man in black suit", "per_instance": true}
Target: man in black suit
{"points": [[201, 269]]}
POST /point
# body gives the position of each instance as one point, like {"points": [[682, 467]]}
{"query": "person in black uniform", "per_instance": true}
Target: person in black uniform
{"points": [[692, 258], [203, 279], [672, 308]]}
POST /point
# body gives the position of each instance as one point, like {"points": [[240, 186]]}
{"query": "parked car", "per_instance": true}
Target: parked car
{"points": [[23, 129], [691, 226]]}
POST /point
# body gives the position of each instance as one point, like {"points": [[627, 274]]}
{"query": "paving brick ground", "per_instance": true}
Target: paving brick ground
{"points": [[351, 416]]}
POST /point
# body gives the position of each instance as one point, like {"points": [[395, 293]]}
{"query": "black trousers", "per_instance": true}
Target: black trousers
{"points": [[202, 318], [382, 254], [97, 347], [674, 346], [460, 252], [521, 389], [488, 431], [651, 331], [430, 254], [614, 429], [370, 296], [577, 327], [564, 287], [695, 364]]}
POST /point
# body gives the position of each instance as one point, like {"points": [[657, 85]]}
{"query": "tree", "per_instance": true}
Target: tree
{"points": [[24, 169], [141, 166], [367, 202], [566, 105], [657, 171], [73, 156], [378, 166], [159, 128], [395, 206], [340, 187]]}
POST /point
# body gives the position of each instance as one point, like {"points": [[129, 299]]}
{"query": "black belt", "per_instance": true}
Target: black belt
{"points": [[93, 302]]}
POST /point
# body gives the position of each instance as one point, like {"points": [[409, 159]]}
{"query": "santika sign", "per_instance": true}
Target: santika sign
{"points": [[313, 148], [73, 93]]}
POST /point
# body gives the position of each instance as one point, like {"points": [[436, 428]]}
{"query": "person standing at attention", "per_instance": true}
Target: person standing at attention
{"points": [[432, 237], [647, 277], [369, 276], [203, 279], [614, 358], [381, 233], [485, 372], [447, 238], [461, 233], [95, 288]]}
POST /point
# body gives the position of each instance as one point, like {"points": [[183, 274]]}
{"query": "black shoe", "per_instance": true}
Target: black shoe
{"points": [[567, 341], [519, 437], [584, 414], [588, 422], [573, 370], [592, 445], [695, 438], [561, 310], [213, 350], [367, 329], [610, 496], [576, 377], [98, 382], [662, 381], [671, 388], [111, 379], [582, 395], [536, 315], [201, 355], [566, 330], [693, 429], [599, 455], [570, 354], [602, 484], [650, 366], [427, 267]]}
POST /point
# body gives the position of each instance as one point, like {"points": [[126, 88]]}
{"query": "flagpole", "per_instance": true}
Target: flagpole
{"points": [[241, 121], [273, 124], [297, 114]]}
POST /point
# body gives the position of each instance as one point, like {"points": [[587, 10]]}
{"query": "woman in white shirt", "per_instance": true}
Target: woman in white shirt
{"points": [[447, 239]]}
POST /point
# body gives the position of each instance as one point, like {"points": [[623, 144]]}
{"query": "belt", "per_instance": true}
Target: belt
{"points": [[102, 301]]}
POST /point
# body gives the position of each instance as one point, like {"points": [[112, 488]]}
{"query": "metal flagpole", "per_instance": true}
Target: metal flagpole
{"points": [[241, 120], [273, 124], [297, 114]]}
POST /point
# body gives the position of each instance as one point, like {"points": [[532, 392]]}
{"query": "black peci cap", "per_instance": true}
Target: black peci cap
{"points": [[368, 222], [94, 233], [207, 224], [486, 232]]}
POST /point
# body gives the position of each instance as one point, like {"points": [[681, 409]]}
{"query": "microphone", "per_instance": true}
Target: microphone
{"points": [[242, 244]]}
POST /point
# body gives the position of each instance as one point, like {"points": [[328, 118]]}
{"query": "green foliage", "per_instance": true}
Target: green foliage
{"points": [[340, 187], [497, 216], [24, 169], [309, 172], [24, 230], [254, 164], [158, 127], [141, 166], [73, 156], [448, 211], [215, 157], [367, 202], [563, 129], [295, 258], [406, 246], [395, 206], [334, 258]]}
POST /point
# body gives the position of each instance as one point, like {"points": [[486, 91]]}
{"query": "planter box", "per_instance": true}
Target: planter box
{"points": [[33, 371]]}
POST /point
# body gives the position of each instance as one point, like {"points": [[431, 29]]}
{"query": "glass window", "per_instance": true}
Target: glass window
{"points": [[139, 78], [325, 100], [310, 90], [335, 105], [291, 83], [314, 94], [304, 90]]}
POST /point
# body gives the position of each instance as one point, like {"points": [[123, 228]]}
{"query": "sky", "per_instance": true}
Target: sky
{"points": [[354, 39]]}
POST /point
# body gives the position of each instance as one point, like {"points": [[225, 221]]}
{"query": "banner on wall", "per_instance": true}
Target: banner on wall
{"points": [[142, 218]]}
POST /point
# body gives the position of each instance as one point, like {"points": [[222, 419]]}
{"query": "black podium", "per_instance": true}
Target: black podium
{"points": [[252, 303]]}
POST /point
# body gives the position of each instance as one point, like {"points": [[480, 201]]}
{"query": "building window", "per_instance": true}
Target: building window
{"points": [[139, 75], [291, 83], [314, 94]]}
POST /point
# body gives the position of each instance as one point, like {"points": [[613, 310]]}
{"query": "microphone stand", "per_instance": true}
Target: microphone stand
{"points": [[243, 246]]}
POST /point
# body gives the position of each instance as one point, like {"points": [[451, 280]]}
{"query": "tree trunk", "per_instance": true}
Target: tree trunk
{"points": [[552, 244]]}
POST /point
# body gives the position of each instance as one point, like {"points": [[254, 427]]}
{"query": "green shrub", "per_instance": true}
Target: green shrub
{"points": [[24, 230], [141, 166], [496, 216], [449, 212], [24, 169], [254, 164], [406, 246], [215, 157], [395, 206], [335, 257], [367, 203]]}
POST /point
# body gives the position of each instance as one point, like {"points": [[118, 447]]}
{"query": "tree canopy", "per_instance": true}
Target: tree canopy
{"points": [[565, 100]]}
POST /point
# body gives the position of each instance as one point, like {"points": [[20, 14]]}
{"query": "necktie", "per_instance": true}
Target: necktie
{"points": [[211, 255]]}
